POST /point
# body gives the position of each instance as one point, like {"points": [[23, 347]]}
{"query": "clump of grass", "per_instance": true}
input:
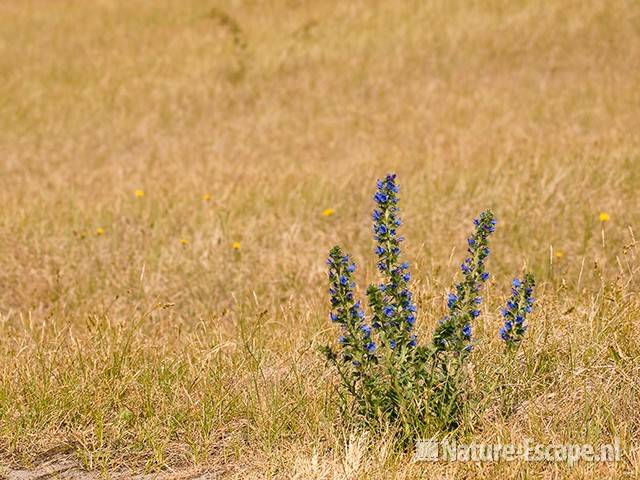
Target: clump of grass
{"points": [[239, 39], [227, 22]]}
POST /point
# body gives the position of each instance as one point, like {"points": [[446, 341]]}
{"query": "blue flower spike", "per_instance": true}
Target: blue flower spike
{"points": [[453, 333], [519, 305], [346, 311], [392, 301]]}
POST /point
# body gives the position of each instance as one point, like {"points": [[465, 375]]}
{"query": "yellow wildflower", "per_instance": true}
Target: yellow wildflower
{"points": [[327, 212], [139, 193], [184, 241], [236, 245], [559, 254], [206, 197], [99, 231], [604, 217]]}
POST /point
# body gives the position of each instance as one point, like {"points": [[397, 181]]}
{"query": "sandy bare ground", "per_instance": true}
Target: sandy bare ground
{"points": [[65, 467]]}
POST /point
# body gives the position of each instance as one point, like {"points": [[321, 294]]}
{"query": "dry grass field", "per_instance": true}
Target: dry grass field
{"points": [[164, 168]]}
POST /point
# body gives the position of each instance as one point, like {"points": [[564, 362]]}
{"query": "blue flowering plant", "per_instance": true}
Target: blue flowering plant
{"points": [[380, 364], [516, 310], [356, 357], [358, 348], [394, 313], [452, 339], [387, 379], [453, 333]]}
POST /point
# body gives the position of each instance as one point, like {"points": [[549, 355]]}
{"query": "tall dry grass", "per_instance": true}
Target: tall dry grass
{"points": [[157, 345]]}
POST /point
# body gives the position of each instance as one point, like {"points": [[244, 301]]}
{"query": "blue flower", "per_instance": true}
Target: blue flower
{"points": [[451, 300], [466, 331], [504, 334], [380, 197]]}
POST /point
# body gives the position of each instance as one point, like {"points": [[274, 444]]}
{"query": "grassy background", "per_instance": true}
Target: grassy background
{"points": [[157, 345]]}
